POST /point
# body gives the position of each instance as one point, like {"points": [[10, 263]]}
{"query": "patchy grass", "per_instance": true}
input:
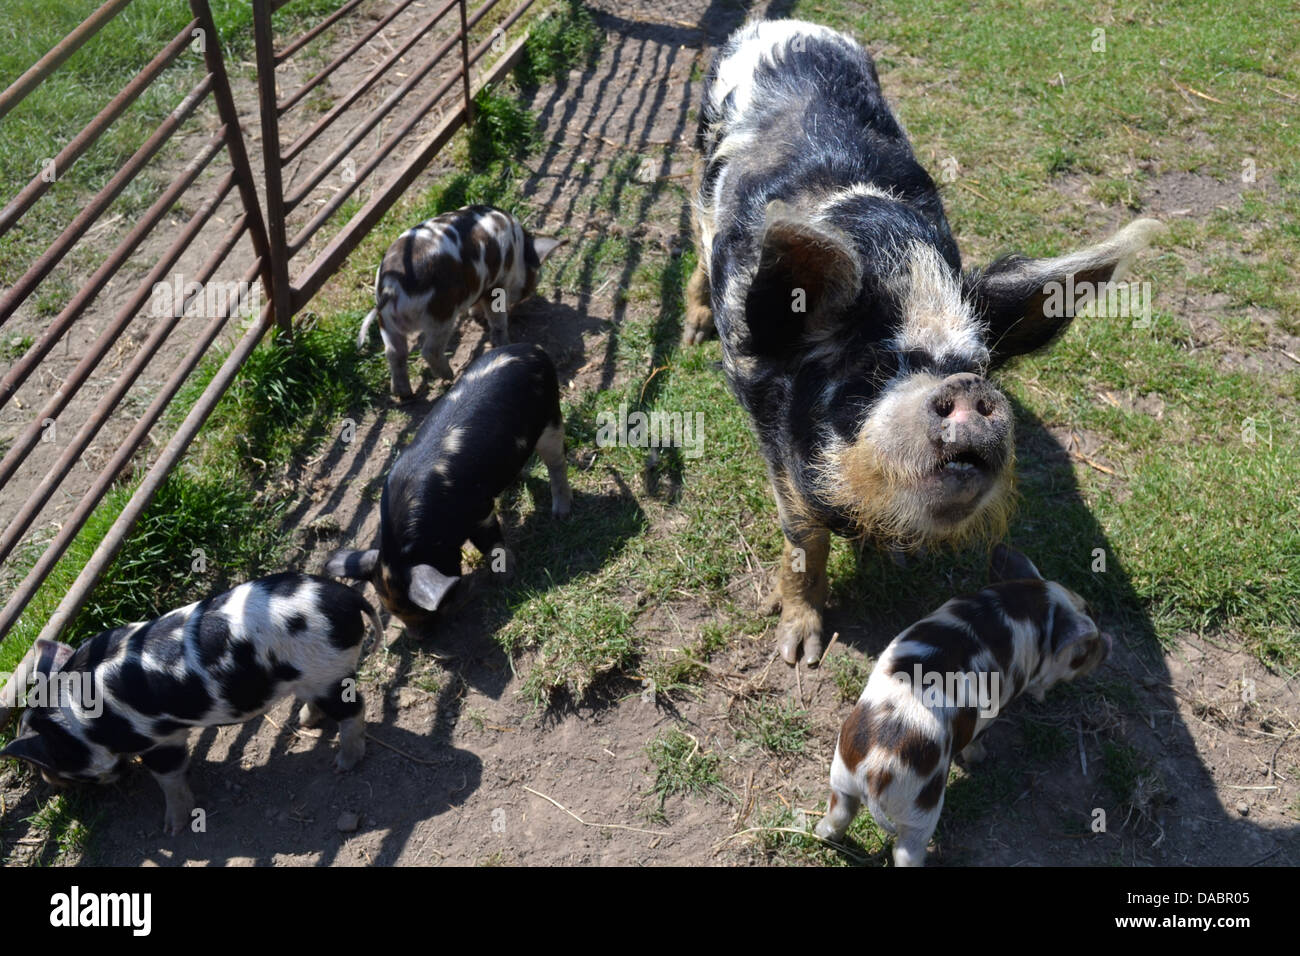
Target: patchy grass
{"points": [[682, 766], [566, 39], [779, 727]]}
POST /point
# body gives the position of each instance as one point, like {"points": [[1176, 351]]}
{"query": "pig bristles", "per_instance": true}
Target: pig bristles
{"points": [[884, 508]]}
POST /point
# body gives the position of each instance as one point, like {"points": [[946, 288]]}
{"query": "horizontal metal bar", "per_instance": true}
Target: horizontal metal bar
{"points": [[363, 128], [109, 401], [69, 45], [104, 554], [92, 131], [378, 156], [349, 237], [23, 445], [296, 45], [287, 103], [18, 374], [70, 236], [306, 138]]}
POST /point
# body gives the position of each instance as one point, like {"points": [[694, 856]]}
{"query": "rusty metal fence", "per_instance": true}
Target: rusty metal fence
{"points": [[275, 222]]}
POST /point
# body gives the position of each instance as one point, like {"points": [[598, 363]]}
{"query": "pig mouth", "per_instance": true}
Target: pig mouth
{"points": [[959, 485]]}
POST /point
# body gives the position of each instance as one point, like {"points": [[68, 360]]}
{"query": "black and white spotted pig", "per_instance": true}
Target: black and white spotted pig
{"points": [[442, 490], [478, 259], [139, 689], [939, 685], [849, 332]]}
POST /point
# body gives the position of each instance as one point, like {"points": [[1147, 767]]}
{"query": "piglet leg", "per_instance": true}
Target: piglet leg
{"points": [[434, 348], [168, 762], [843, 808], [550, 448]]}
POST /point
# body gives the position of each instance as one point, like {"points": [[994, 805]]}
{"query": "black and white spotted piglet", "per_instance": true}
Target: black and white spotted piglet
{"points": [[478, 259], [939, 685], [139, 689], [442, 490]]}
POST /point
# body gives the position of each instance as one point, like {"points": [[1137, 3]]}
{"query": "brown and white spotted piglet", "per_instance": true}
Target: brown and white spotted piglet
{"points": [[938, 686], [442, 489], [478, 259]]}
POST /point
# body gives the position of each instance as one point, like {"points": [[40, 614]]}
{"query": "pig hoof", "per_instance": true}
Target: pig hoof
{"points": [[826, 831], [699, 323], [310, 715], [561, 509], [349, 757], [177, 818], [443, 370], [974, 752], [800, 632]]}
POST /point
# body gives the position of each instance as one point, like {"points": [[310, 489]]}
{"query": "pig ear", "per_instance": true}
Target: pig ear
{"points": [[31, 748], [1008, 564], [357, 565], [1024, 302], [429, 587], [545, 245], [1070, 627], [805, 272], [51, 656]]}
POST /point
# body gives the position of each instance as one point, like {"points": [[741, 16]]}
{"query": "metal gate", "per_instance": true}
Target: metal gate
{"points": [[279, 226]]}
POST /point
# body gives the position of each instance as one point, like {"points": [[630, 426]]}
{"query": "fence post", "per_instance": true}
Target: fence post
{"points": [[464, 64], [281, 293], [244, 179]]}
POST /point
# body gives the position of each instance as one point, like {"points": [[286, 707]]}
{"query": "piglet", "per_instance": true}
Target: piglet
{"points": [[478, 259], [938, 686], [442, 490], [140, 688]]}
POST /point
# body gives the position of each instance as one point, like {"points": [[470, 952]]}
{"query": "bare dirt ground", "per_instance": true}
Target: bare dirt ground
{"points": [[460, 770]]}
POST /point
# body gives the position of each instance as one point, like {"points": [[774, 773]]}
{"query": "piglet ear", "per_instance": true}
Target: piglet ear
{"points": [[429, 587], [52, 656], [806, 272], [1008, 564], [1071, 627], [545, 245], [31, 748], [357, 565]]}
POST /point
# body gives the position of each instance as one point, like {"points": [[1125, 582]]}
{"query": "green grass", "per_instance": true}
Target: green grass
{"points": [[779, 727], [566, 39], [682, 766]]}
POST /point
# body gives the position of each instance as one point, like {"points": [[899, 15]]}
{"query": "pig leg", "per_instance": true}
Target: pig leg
{"points": [[396, 351], [498, 318], [310, 715], [434, 349], [550, 448], [342, 702], [168, 762], [491, 543], [802, 584], [844, 807], [699, 308]]}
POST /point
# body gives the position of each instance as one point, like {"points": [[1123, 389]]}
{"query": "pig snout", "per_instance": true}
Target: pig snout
{"points": [[969, 423]]}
